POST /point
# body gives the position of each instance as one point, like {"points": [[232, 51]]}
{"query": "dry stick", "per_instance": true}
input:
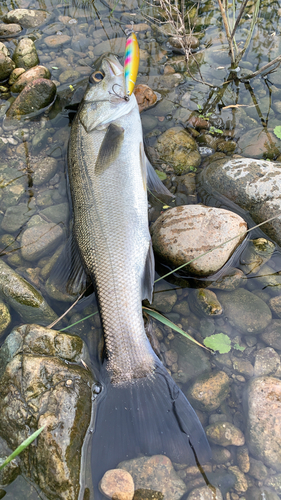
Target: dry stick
{"points": [[240, 14], [218, 246], [69, 309], [264, 68], [226, 27]]}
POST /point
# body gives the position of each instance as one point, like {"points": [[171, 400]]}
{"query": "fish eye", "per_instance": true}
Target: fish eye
{"points": [[96, 77]]}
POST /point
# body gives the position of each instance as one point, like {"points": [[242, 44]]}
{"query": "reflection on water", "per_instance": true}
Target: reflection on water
{"points": [[35, 211]]}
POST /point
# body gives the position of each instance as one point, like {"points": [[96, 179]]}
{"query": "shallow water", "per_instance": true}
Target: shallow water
{"points": [[254, 108]]}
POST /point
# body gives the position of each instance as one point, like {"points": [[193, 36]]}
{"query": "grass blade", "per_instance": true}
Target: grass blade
{"points": [[167, 322], [22, 446], [79, 321]]}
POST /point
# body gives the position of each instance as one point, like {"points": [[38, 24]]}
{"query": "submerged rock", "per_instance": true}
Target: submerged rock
{"points": [[35, 96], [27, 18], [6, 65], [117, 484], [5, 317], [38, 388], [177, 148], [155, 473], [204, 302], [254, 185], [272, 335], [23, 297], [37, 241], [225, 434], [208, 391], [9, 30], [183, 233], [29, 76], [263, 412]]}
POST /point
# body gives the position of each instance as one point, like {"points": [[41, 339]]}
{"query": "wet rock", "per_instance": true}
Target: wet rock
{"points": [[189, 40], [275, 483], [275, 305], [164, 301], [245, 311], [143, 494], [15, 217], [145, 97], [258, 143], [242, 366], [225, 434], [29, 76], [254, 185], [192, 360], [116, 46], [35, 96], [44, 170], [69, 75], [241, 483], [263, 411], [257, 469], [178, 149], [203, 301], [272, 335], [23, 297], [267, 362], [262, 493], [220, 455], [208, 391], [27, 18], [55, 41], [205, 493], [6, 65], [117, 484], [229, 281], [185, 232], [257, 253], [9, 30], [155, 473], [39, 240], [9, 473], [38, 388], [5, 318], [15, 75], [57, 213], [25, 55], [243, 459]]}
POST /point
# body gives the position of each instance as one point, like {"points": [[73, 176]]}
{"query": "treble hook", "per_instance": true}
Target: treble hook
{"points": [[125, 97]]}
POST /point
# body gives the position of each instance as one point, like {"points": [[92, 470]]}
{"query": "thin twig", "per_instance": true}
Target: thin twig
{"points": [[277, 61], [69, 309], [240, 14], [227, 31]]}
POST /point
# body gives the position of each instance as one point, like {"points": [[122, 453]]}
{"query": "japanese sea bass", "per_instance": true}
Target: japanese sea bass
{"points": [[141, 409]]}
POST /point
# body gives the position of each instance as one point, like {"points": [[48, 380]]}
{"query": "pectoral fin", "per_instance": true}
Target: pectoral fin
{"points": [[110, 148]]}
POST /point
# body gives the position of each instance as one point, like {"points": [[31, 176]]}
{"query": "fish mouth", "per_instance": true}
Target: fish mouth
{"points": [[114, 66]]}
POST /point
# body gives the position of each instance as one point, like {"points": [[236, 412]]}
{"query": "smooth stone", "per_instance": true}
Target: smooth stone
{"points": [[6, 66], [275, 483], [204, 302], [29, 76], [267, 361], [241, 483], [163, 479], [258, 143], [262, 493], [144, 494], [263, 413], [243, 459], [35, 96], [275, 305], [183, 233], [231, 280], [27, 18], [190, 41], [25, 55], [9, 30], [116, 46], [256, 254], [24, 297], [15, 75], [257, 469], [272, 335], [254, 185], [44, 170], [117, 484], [193, 361], [57, 213], [39, 240], [178, 149], [208, 391], [225, 434], [164, 301], [205, 493], [245, 311], [58, 392], [5, 317], [15, 217], [54, 41], [220, 455], [70, 75], [242, 366]]}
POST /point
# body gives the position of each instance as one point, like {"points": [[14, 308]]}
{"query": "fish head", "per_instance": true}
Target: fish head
{"points": [[105, 99]]}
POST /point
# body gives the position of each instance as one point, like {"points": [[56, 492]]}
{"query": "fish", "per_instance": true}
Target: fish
{"points": [[140, 409]]}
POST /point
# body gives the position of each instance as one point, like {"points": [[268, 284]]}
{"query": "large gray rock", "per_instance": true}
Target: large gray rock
{"points": [[37, 241], [25, 55], [27, 18], [263, 413], [183, 233], [192, 359], [254, 185], [209, 390], [38, 387], [23, 297]]}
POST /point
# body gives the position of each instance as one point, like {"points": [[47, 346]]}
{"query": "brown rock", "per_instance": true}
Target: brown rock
{"points": [[15, 75], [35, 96], [258, 143], [117, 484], [225, 434], [56, 40], [6, 66], [9, 30], [145, 96], [29, 76], [209, 390]]}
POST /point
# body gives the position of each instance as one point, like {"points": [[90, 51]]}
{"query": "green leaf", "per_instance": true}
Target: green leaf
{"points": [[218, 342], [169, 323], [277, 131], [162, 176], [22, 447], [239, 347], [55, 67]]}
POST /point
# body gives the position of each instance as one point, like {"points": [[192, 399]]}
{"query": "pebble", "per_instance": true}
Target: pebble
{"points": [[5, 317], [117, 484], [44, 170], [54, 41], [145, 97], [257, 469], [9, 30], [204, 302], [272, 335], [243, 459], [205, 493], [225, 434], [209, 390], [6, 66], [29, 76], [275, 305], [177, 148], [241, 483], [267, 362]]}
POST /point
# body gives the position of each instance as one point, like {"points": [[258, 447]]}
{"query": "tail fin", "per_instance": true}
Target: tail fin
{"points": [[151, 416]]}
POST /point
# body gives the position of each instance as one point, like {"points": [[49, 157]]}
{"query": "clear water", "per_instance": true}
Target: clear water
{"points": [[255, 109]]}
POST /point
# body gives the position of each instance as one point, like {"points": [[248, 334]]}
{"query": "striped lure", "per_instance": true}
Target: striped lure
{"points": [[131, 65]]}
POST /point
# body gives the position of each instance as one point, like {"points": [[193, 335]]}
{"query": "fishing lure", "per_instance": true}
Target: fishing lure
{"points": [[131, 65]]}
